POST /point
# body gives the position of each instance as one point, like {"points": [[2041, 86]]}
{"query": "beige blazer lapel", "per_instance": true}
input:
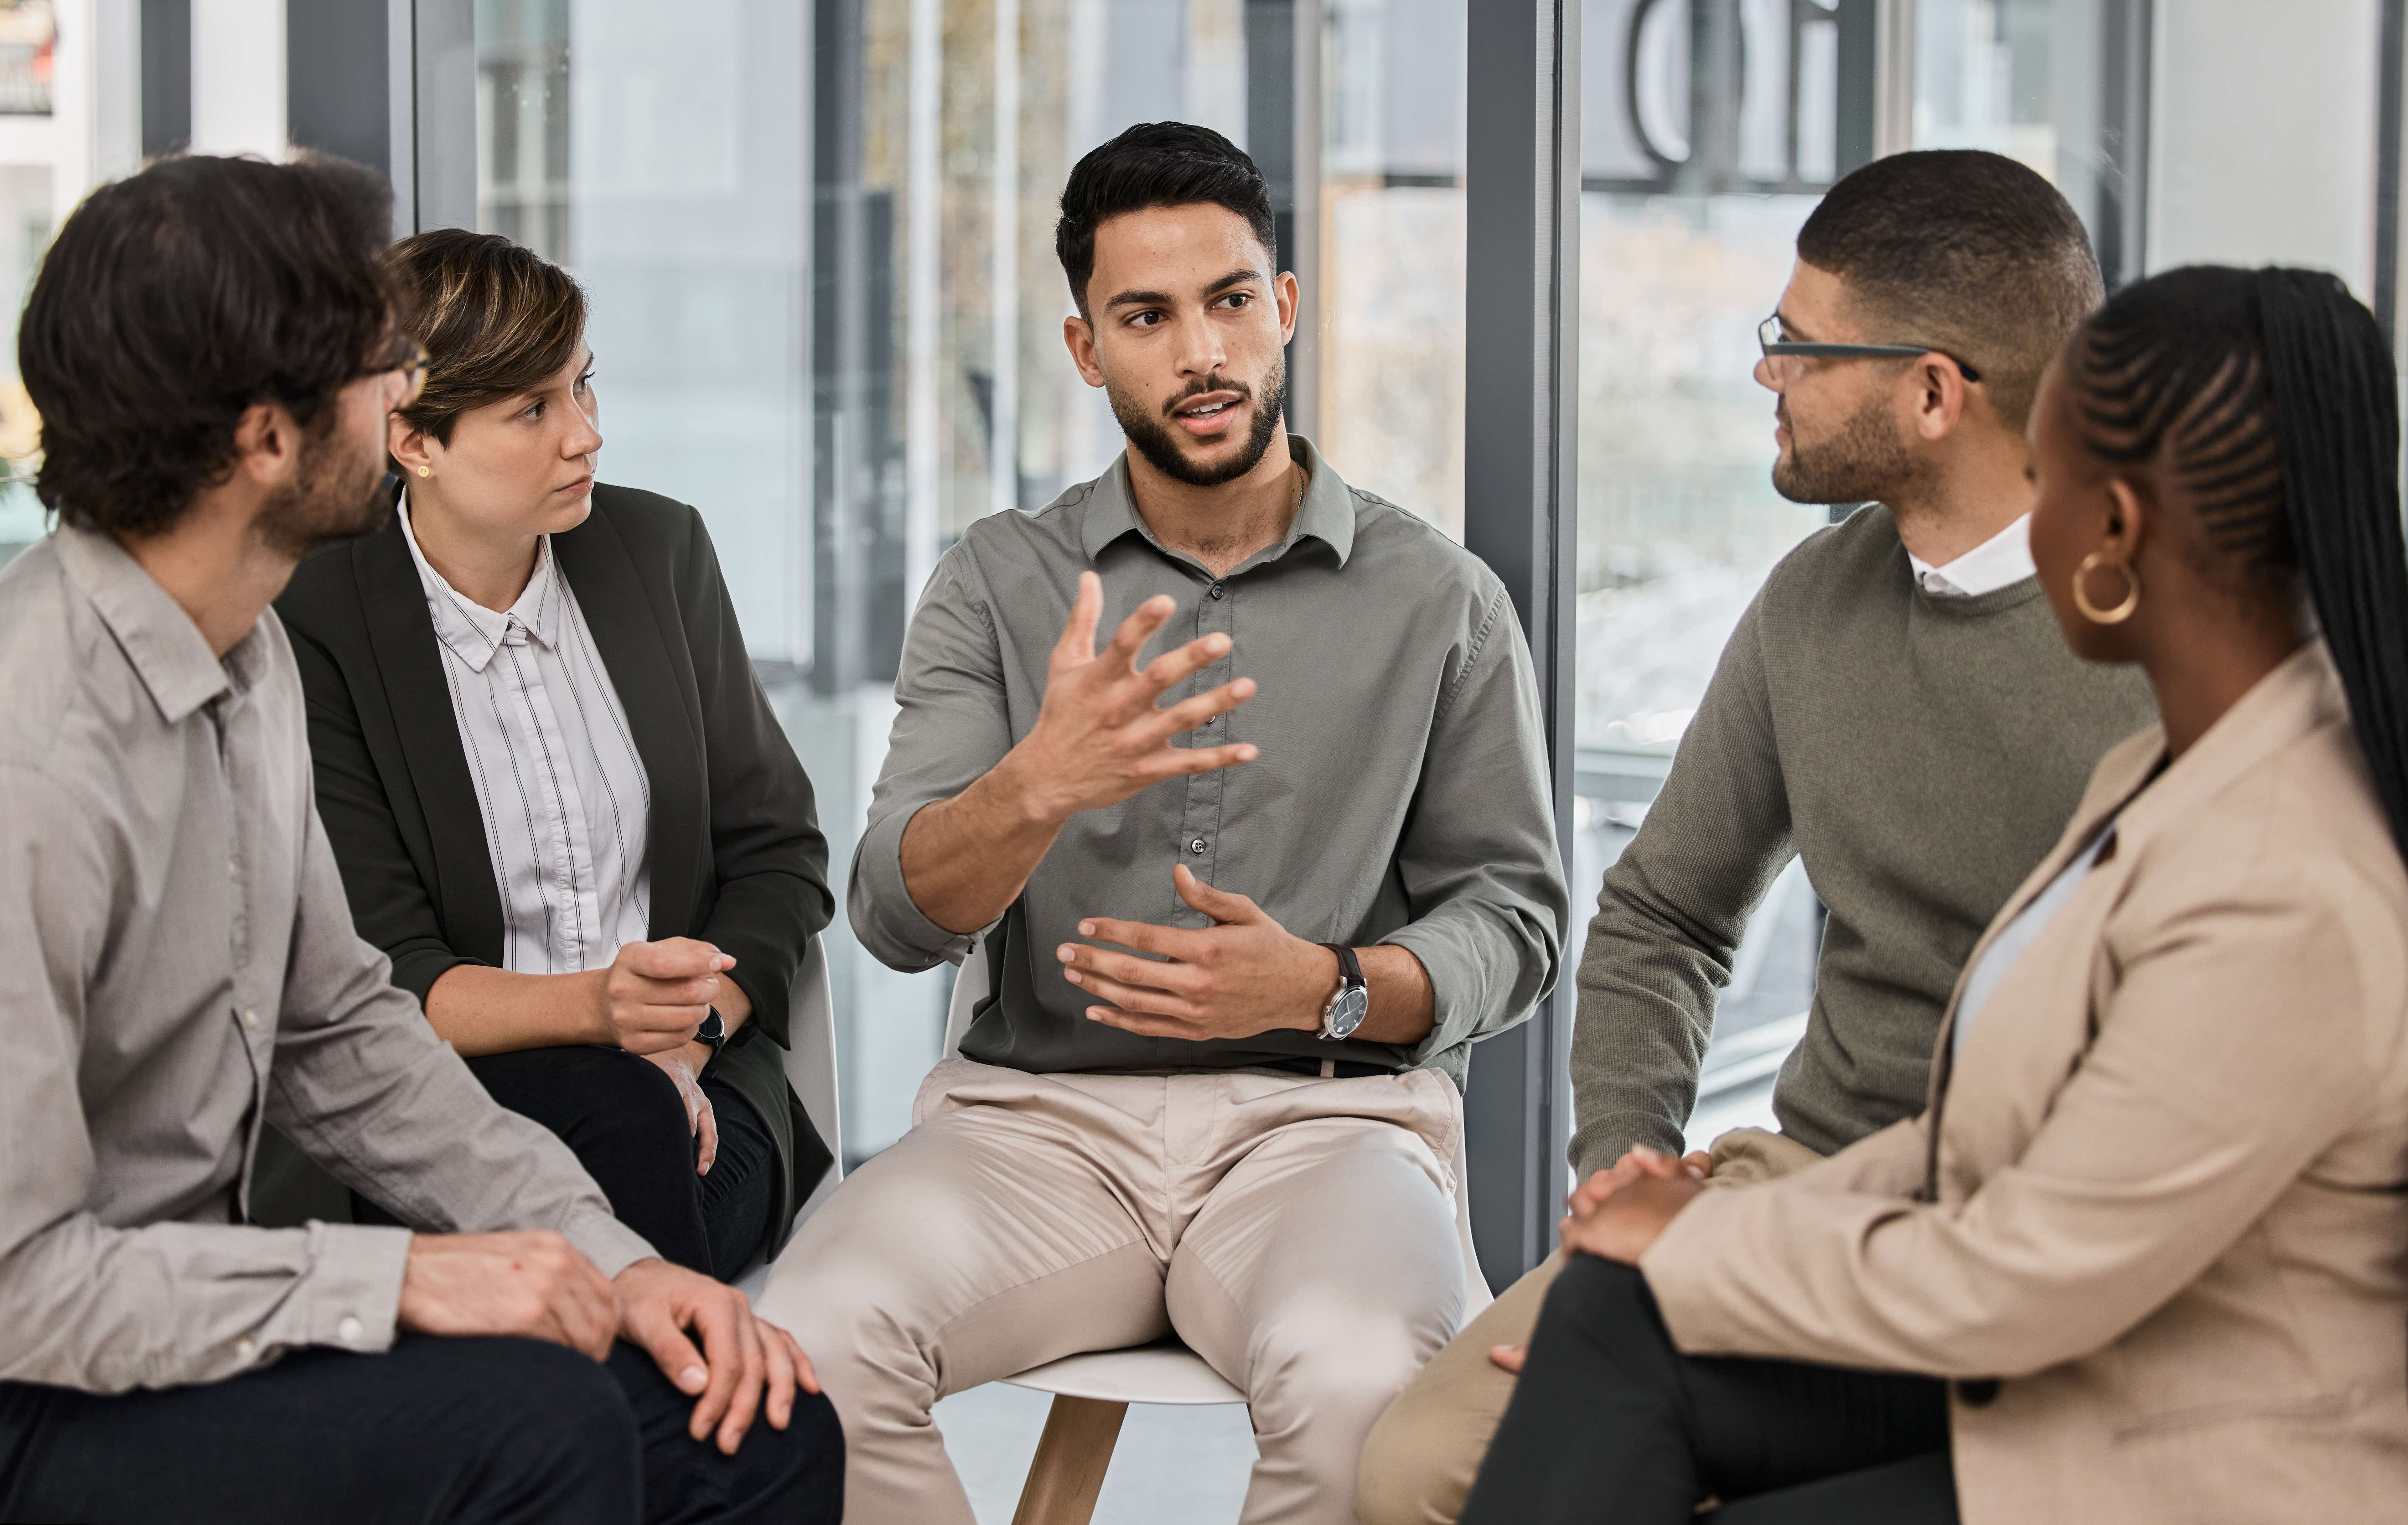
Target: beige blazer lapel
{"points": [[2283, 705]]}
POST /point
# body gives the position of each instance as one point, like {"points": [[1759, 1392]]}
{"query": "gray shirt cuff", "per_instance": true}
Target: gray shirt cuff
{"points": [[611, 1244], [1451, 988], [355, 1287], [884, 917]]}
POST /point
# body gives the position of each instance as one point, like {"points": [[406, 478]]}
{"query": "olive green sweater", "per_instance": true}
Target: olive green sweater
{"points": [[1920, 752]]}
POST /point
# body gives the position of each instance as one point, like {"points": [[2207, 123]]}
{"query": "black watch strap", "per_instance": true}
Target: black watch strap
{"points": [[712, 1032], [1350, 969]]}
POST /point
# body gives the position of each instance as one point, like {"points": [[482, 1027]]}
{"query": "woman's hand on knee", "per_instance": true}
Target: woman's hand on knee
{"points": [[533, 1283], [685, 1066], [746, 1365]]}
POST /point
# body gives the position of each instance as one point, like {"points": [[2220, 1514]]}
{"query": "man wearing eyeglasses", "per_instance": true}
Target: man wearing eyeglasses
{"points": [[1896, 707], [211, 346]]}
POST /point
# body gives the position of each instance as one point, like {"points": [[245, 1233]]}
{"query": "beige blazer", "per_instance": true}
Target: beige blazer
{"points": [[2154, 1220]]}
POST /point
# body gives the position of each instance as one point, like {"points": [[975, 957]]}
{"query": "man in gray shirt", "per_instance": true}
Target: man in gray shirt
{"points": [[1896, 709], [210, 343], [1241, 1127]]}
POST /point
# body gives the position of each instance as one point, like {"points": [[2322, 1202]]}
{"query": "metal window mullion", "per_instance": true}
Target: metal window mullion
{"points": [[1522, 177]]}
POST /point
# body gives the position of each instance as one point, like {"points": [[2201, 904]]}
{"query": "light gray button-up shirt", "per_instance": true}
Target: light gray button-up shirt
{"points": [[177, 964], [1400, 794]]}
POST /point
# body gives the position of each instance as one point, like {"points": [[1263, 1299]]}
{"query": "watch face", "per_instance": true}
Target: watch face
{"points": [[1347, 1014]]}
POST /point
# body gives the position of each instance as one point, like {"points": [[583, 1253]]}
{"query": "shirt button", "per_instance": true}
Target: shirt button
{"points": [[245, 1349], [250, 1018], [348, 1330], [1217, 591], [1196, 847]]}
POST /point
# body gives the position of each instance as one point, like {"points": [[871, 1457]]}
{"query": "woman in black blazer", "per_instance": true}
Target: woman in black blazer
{"points": [[559, 796]]}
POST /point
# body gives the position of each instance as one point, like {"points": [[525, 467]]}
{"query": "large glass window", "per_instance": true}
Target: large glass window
{"points": [[43, 163], [826, 309]]}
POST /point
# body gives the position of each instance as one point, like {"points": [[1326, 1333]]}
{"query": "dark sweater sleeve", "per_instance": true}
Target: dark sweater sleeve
{"points": [[390, 907], [769, 854], [1671, 915]]}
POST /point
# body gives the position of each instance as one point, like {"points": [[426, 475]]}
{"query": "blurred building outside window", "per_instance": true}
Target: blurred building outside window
{"points": [[52, 121]]}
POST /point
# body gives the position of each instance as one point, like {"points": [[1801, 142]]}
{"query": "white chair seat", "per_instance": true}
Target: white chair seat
{"points": [[1168, 1372]]}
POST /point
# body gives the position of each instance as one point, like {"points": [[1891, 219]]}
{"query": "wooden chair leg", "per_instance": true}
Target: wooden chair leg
{"points": [[1068, 1471]]}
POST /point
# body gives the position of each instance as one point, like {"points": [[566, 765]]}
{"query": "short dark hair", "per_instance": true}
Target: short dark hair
{"points": [[1157, 163], [177, 298], [1967, 250], [496, 319]]}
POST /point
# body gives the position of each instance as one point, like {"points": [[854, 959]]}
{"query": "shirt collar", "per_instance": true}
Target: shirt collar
{"points": [[2003, 559], [1327, 513], [473, 632], [164, 647]]}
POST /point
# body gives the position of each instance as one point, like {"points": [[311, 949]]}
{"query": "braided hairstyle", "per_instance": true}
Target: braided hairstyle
{"points": [[2272, 395]]}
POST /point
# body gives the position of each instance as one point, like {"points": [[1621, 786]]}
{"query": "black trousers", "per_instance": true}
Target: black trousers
{"points": [[434, 1430], [622, 1116], [1610, 1421]]}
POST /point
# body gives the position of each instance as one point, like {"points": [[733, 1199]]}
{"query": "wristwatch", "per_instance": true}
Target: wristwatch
{"points": [[712, 1032], [1347, 1008]]}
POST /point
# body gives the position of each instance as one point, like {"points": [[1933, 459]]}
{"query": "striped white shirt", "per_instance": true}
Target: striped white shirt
{"points": [[564, 795]]}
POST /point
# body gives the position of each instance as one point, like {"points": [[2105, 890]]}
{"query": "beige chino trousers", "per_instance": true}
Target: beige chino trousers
{"points": [[1297, 1233]]}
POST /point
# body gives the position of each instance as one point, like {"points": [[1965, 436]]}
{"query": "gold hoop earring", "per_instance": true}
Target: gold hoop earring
{"points": [[426, 471], [2091, 612]]}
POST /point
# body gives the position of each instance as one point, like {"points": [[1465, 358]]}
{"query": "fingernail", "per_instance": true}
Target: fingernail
{"points": [[1247, 754], [1072, 975], [1064, 951], [1086, 929], [693, 1378]]}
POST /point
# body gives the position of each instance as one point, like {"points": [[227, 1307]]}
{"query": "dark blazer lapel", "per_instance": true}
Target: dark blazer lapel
{"points": [[635, 626], [410, 663]]}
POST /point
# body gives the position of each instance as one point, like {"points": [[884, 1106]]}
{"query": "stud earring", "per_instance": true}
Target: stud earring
{"points": [[426, 471]]}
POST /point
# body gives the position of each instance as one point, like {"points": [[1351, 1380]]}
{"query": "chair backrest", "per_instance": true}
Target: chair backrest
{"points": [[810, 1062], [970, 988]]}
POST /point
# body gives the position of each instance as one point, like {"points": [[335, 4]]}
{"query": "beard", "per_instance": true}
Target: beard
{"points": [[340, 491], [1865, 460], [1148, 430]]}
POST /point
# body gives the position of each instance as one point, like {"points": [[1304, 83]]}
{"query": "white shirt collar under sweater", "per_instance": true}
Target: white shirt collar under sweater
{"points": [[2003, 558]]}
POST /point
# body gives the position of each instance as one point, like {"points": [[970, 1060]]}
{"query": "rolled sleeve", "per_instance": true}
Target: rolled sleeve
{"points": [[1479, 863], [952, 724]]}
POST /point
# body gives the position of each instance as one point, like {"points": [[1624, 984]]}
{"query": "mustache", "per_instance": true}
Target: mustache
{"points": [[1214, 382]]}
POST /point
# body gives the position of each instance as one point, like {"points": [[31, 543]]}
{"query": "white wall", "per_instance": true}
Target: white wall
{"points": [[2262, 135]]}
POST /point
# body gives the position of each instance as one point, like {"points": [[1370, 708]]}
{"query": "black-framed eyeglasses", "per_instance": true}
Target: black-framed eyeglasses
{"points": [[405, 355], [1768, 337]]}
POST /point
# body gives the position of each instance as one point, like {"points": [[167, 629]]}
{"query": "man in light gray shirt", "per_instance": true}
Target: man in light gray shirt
{"points": [[210, 344], [1318, 824]]}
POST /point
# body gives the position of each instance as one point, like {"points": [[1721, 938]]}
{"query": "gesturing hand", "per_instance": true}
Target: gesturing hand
{"points": [[1100, 737], [1246, 974], [746, 1366], [654, 995], [533, 1284]]}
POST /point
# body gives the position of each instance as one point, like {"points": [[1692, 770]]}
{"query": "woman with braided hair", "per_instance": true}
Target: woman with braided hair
{"points": [[2145, 1256]]}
